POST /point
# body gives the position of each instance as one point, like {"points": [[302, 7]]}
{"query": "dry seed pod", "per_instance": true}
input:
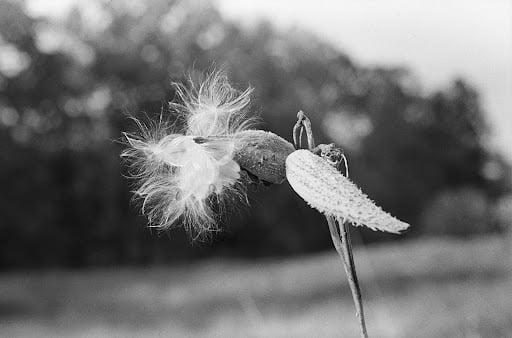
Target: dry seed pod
{"points": [[263, 154], [327, 190]]}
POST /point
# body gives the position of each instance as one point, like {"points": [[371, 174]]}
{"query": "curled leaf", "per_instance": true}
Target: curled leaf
{"points": [[327, 190]]}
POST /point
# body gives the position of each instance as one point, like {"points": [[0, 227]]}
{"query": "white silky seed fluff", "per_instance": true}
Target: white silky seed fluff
{"points": [[187, 176], [327, 190]]}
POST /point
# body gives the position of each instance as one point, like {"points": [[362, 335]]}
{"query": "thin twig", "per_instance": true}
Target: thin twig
{"points": [[343, 245], [350, 269], [338, 229], [306, 123]]}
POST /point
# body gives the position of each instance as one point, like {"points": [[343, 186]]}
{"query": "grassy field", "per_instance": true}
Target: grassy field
{"points": [[427, 288]]}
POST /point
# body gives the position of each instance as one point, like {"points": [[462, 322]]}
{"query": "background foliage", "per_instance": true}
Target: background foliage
{"points": [[66, 89]]}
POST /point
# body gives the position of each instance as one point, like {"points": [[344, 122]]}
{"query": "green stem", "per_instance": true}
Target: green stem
{"points": [[350, 269], [339, 231], [342, 243]]}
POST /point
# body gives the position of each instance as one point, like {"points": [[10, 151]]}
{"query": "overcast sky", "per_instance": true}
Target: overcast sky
{"points": [[436, 39]]}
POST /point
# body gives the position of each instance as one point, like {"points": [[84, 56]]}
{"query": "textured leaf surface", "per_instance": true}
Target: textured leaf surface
{"points": [[327, 190]]}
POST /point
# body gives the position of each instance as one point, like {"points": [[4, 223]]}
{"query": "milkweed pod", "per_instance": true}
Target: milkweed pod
{"points": [[327, 190], [263, 154]]}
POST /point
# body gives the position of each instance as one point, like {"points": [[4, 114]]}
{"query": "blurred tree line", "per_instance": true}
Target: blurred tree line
{"points": [[67, 87]]}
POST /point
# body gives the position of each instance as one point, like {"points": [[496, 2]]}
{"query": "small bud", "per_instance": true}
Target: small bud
{"points": [[327, 190], [262, 154]]}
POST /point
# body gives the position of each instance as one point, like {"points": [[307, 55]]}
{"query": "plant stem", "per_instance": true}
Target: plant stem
{"points": [[342, 243], [350, 269], [338, 229], [303, 122]]}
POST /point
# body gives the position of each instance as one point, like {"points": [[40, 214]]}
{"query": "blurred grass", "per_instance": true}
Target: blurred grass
{"points": [[425, 288]]}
